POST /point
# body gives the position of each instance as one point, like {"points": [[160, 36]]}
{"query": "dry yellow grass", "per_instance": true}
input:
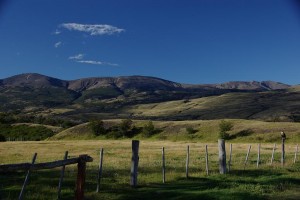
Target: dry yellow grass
{"points": [[116, 170]]}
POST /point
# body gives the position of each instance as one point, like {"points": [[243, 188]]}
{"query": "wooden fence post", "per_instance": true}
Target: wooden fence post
{"points": [[81, 166], [246, 160], [27, 177], [282, 151], [100, 170], [61, 176], [272, 158], [296, 152], [134, 163], [206, 160], [230, 155], [187, 162], [222, 156], [163, 165], [258, 156]]}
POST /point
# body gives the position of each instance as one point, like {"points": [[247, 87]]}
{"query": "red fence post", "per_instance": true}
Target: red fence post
{"points": [[79, 192]]}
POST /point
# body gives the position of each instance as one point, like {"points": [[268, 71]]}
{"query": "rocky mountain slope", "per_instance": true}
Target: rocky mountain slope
{"points": [[117, 96]]}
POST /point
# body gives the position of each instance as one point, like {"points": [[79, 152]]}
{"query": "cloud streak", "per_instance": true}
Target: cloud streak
{"points": [[57, 44], [93, 29], [77, 57], [94, 62], [56, 32]]}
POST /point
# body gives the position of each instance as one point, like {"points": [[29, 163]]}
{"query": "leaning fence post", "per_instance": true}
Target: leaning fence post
{"points": [[258, 156], [246, 160], [222, 156], [230, 154], [272, 158], [134, 163], [295, 158], [27, 177], [187, 162], [206, 160], [61, 176], [100, 170], [163, 165], [81, 166]]}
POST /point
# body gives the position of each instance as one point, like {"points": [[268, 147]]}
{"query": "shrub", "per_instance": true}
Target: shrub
{"points": [[190, 130], [148, 129], [125, 128], [224, 127], [97, 127], [24, 132]]}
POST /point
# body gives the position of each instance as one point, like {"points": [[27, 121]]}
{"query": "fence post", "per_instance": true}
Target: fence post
{"points": [[246, 160], [163, 165], [27, 177], [282, 151], [295, 158], [230, 154], [222, 156], [134, 163], [206, 159], [187, 162], [272, 158], [81, 166], [258, 156], [100, 170], [61, 176]]}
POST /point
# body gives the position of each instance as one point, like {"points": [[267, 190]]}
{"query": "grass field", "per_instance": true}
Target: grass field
{"points": [[266, 182]]}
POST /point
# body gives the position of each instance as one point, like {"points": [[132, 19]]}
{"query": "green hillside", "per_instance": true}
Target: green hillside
{"points": [[204, 130], [267, 106]]}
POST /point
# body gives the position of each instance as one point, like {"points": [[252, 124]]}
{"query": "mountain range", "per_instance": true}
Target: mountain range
{"points": [[117, 96]]}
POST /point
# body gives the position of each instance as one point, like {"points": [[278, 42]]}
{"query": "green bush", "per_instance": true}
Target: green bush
{"points": [[190, 130], [148, 129], [97, 126], [224, 127], [25, 132], [125, 128]]}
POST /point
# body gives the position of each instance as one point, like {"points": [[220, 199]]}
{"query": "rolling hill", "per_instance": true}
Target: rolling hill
{"points": [[142, 97]]}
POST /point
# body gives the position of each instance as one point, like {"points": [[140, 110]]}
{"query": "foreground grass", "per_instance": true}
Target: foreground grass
{"points": [[266, 182]]}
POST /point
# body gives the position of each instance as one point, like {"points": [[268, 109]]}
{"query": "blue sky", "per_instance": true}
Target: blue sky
{"points": [[187, 41]]}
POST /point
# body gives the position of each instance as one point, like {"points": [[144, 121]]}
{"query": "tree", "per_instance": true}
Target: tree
{"points": [[126, 127], [97, 127], [2, 138], [224, 127], [148, 129]]}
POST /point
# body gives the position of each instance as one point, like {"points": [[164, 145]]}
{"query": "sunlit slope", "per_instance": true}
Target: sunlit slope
{"points": [[269, 106], [205, 130]]}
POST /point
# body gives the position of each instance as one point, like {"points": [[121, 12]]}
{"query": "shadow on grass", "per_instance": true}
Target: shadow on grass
{"points": [[239, 184], [192, 189]]}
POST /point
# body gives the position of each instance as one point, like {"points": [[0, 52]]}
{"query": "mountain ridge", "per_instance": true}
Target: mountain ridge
{"points": [[38, 80], [142, 97]]}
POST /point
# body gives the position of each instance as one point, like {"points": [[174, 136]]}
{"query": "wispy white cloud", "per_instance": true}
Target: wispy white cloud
{"points": [[57, 44], [94, 62], [56, 32], [77, 57], [93, 29]]}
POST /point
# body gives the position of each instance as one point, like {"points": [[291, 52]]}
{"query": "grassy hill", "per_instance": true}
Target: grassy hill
{"points": [[267, 106], [205, 130]]}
